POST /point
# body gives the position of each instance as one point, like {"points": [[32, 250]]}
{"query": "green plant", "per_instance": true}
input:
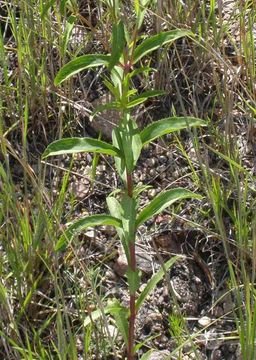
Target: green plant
{"points": [[123, 64]]}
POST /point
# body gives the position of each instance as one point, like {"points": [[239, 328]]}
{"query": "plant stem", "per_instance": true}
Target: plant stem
{"points": [[132, 264], [129, 185]]}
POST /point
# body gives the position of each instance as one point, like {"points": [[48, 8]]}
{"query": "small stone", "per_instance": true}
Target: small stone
{"points": [[162, 176], [204, 321], [152, 172], [110, 275], [142, 287], [90, 233], [108, 230], [136, 177], [156, 316], [101, 168], [216, 355], [159, 150], [152, 193], [143, 259], [121, 265], [162, 159], [80, 189], [160, 300], [159, 355], [175, 174], [151, 162], [87, 170], [112, 331], [217, 311], [161, 168], [88, 157], [192, 154], [143, 176]]}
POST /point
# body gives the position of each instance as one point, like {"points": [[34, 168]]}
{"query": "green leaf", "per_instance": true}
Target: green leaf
{"points": [[139, 189], [111, 105], [114, 207], [133, 278], [82, 224], [97, 314], [118, 43], [140, 70], [119, 161], [162, 201], [128, 217], [140, 9], [168, 125], [143, 97], [140, 18], [69, 26], [130, 143], [46, 7], [116, 211], [113, 89], [137, 6], [117, 79], [147, 355], [120, 314], [115, 309], [63, 4], [80, 63], [154, 281], [156, 41], [75, 145]]}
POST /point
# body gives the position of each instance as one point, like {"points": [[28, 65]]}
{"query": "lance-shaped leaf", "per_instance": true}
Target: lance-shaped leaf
{"points": [[162, 201], [111, 105], [63, 4], [167, 126], [119, 161], [130, 144], [116, 210], [46, 7], [67, 33], [80, 63], [133, 278], [156, 41], [120, 313], [118, 43], [82, 224], [136, 100], [76, 145], [154, 281]]}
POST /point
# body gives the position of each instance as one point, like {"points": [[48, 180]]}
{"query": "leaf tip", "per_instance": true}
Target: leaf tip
{"points": [[57, 80]]}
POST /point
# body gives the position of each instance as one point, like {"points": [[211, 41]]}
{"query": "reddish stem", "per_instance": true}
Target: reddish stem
{"points": [[132, 318], [131, 334], [129, 185]]}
